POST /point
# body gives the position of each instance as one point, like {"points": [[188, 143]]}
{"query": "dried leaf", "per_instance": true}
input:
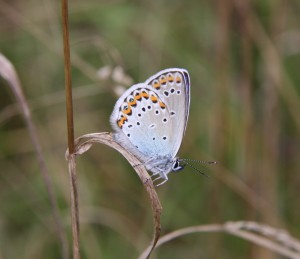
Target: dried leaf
{"points": [[84, 143]]}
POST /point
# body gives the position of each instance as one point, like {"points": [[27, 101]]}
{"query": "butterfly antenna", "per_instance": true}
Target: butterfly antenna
{"points": [[190, 165], [186, 161], [198, 161]]}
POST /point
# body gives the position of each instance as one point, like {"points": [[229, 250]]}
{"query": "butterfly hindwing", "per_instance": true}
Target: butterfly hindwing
{"points": [[143, 119]]}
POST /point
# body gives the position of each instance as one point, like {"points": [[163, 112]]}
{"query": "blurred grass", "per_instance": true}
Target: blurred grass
{"points": [[243, 58]]}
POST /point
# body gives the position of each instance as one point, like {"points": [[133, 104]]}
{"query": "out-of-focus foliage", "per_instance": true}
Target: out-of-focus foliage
{"points": [[243, 58]]}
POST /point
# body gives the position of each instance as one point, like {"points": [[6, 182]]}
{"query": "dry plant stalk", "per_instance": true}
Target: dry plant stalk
{"points": [[276, 240], [85, 142], [70, 129], [8, 72]]}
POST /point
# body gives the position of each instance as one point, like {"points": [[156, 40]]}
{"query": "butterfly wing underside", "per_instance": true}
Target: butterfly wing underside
{"points": [[173, 86], [150, 118]]}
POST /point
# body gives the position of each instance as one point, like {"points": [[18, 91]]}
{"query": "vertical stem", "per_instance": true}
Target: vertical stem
{"points": [[68, 81], [70, 126], [74, 206]]}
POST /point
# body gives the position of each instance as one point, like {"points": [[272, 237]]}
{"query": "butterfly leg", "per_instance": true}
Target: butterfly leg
{"points": [[160, 177], [155, 177], [162, 182]]}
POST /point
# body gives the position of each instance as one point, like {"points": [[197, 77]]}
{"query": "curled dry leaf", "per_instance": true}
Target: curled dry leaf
{"points": [[85, 142], [265, 236]]}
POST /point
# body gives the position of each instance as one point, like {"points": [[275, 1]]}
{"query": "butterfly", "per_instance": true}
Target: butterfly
{"points": [[150, 120]]}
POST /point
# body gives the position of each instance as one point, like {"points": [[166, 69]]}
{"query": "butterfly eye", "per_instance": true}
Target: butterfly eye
{"points": [[177, 166]]}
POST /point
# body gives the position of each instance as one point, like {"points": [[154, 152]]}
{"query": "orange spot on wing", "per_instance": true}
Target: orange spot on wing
{"points": [[132, 103], [154, 98], [138, 97], [122, 121], [145, 94], [162, 105], [156, 85], [170, 78], [127, 111], [178, 79], [163, 80]]}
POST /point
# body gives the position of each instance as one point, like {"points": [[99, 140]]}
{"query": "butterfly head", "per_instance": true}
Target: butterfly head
{"points": [[177, 165]]}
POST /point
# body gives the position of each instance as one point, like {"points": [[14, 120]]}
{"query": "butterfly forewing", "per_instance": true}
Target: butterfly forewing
{"points": [[173, 86]]}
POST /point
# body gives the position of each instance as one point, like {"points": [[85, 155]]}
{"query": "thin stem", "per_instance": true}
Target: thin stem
{"points": [[70, 126], [68, 81]]}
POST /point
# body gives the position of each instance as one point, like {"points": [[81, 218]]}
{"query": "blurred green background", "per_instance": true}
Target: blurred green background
{"points": [[243, 58]]}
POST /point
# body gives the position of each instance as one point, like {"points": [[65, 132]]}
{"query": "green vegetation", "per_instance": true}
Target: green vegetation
{"points": [[243, 58]]}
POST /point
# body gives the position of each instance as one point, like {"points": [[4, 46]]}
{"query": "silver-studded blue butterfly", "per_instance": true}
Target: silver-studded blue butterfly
{"points": [[150, 119]]}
